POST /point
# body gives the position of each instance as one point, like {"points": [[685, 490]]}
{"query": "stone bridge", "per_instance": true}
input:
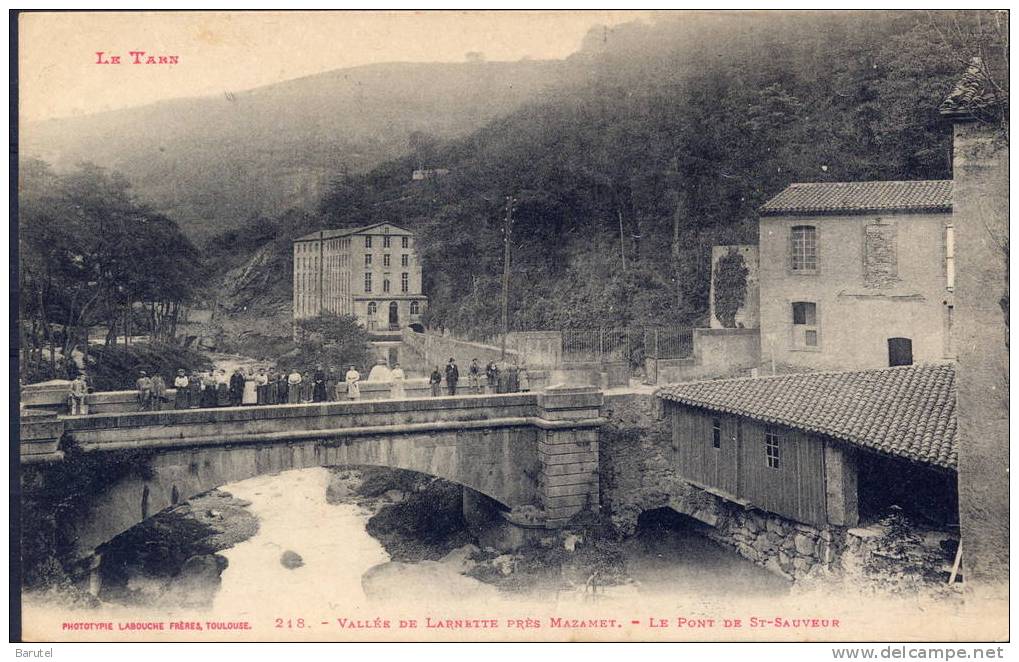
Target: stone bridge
{"points": [[524, 449]]}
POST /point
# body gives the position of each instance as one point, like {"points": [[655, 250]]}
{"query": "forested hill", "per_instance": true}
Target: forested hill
{"points": [[684, 128], [213, 163]]}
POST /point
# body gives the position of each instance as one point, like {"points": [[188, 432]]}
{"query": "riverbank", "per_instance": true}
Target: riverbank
{"points": [[172, 560]]}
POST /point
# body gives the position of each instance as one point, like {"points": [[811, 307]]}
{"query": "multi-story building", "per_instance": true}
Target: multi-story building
{"points": [[371, 272], [857, 275]]}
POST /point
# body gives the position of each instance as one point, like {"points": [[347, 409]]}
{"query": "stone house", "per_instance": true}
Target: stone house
{"points": [[857, 274]]}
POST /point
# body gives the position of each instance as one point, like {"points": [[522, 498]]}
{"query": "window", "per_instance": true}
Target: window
{"points": [[804, 248], [386, 241], [415, 308], [405, 242], [368, 282], [716, 433], [385, 284], [404, 282], [385, 260], [368, 260], [368, 242], [950, 257], [771, 448], [373, 308], [804, 324], [900, 352], [404, 260]]}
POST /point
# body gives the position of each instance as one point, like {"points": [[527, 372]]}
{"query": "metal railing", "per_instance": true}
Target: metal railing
{"points": [[632, 345]]}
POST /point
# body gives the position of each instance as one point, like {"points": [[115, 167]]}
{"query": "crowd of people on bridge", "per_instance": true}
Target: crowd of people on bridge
{"points": [[251, 386], [494, 378], [266, 386]]}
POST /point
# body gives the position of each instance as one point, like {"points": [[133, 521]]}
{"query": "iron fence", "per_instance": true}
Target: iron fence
{"points": [[632, 345]]}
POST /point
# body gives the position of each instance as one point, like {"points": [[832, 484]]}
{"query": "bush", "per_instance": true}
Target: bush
{"points": [[332, 340], [115, 368]]}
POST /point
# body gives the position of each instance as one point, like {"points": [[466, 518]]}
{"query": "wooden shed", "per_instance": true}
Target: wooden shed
{"points": [[788, 444]]}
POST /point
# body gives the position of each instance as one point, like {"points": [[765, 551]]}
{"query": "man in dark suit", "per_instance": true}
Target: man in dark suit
{"points": [[452, 376]]}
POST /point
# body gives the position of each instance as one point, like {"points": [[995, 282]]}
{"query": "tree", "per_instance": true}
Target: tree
{"points": [[93, 255], [730, 287], [332, 340]]}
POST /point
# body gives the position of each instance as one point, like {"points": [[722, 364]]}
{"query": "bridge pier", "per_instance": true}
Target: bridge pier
{"points": [[568, 452]]}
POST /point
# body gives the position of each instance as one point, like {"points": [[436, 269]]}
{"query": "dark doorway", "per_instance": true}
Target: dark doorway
{"points": [[394, 316], [900, 351]]}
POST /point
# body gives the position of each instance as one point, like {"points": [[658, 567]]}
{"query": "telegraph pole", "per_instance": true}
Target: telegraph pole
{"points": [[507, 233]]}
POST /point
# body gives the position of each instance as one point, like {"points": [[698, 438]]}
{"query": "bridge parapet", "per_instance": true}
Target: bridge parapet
{"points": [[282, 423]]}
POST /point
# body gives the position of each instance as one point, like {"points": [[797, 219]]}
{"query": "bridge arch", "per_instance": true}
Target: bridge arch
{"points": [[518, 449]]}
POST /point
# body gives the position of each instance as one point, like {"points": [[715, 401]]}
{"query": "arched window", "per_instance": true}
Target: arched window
{"points": [[415, 308], [803, 256], [373, 308]]}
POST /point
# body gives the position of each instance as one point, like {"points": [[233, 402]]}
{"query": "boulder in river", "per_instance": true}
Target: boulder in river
{"points": [[460, 558], [291, 559]]}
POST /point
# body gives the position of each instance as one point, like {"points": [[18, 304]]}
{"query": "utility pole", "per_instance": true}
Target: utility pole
{"points": [[507, 233], [622, 245]]}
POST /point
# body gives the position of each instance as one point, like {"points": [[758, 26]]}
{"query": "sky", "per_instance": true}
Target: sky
{"points": [[221, 52]]}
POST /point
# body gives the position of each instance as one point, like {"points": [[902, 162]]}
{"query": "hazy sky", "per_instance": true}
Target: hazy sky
{"points": [[229, 51]]}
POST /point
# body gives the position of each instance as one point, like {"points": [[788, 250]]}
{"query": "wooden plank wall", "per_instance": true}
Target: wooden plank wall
{"points": [[795, 489]]}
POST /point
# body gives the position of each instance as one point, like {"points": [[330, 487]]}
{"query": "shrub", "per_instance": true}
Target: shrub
{"points": [[114, 368]]}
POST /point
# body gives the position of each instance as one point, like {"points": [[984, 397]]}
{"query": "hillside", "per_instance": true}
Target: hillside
{"points": [[213, 163], [623, 182]]}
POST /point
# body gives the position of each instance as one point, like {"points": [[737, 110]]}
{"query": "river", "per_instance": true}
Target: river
{"points": [[667, 569], [340, 559]]}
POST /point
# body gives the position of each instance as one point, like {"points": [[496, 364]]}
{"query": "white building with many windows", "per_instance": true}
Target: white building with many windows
{"points": [[370, 272]]}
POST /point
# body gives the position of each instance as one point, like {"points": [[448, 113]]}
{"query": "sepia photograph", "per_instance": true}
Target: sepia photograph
{"points": [[510, 326]]}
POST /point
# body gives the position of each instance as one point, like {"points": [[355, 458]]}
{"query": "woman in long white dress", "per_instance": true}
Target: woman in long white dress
{"points": [[250, 395], [397, 391], [352, 378]]}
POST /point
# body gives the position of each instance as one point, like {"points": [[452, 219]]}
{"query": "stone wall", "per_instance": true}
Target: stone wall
{"points": [[888, 269], [716, 353], [980, 217], [431, 349], [537, 348]]}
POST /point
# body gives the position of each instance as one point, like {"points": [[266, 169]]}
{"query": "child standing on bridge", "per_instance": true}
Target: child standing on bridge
{"points": [[474, 376], [144, 386], [436, 382], [76, 396]]}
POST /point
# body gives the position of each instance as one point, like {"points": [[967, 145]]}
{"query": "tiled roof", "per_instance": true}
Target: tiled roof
{"points": [[973, 92], [907, 411], [861, 197]]}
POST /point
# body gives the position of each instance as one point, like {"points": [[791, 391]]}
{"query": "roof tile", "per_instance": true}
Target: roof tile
{"points": [[907, 411], [861, 197]]}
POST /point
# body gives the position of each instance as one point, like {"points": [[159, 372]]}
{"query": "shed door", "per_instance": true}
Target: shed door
{"points": [[900, 351]]}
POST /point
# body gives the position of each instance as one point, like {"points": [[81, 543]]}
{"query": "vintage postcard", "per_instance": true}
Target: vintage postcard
{"points": [[512, 326]]}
